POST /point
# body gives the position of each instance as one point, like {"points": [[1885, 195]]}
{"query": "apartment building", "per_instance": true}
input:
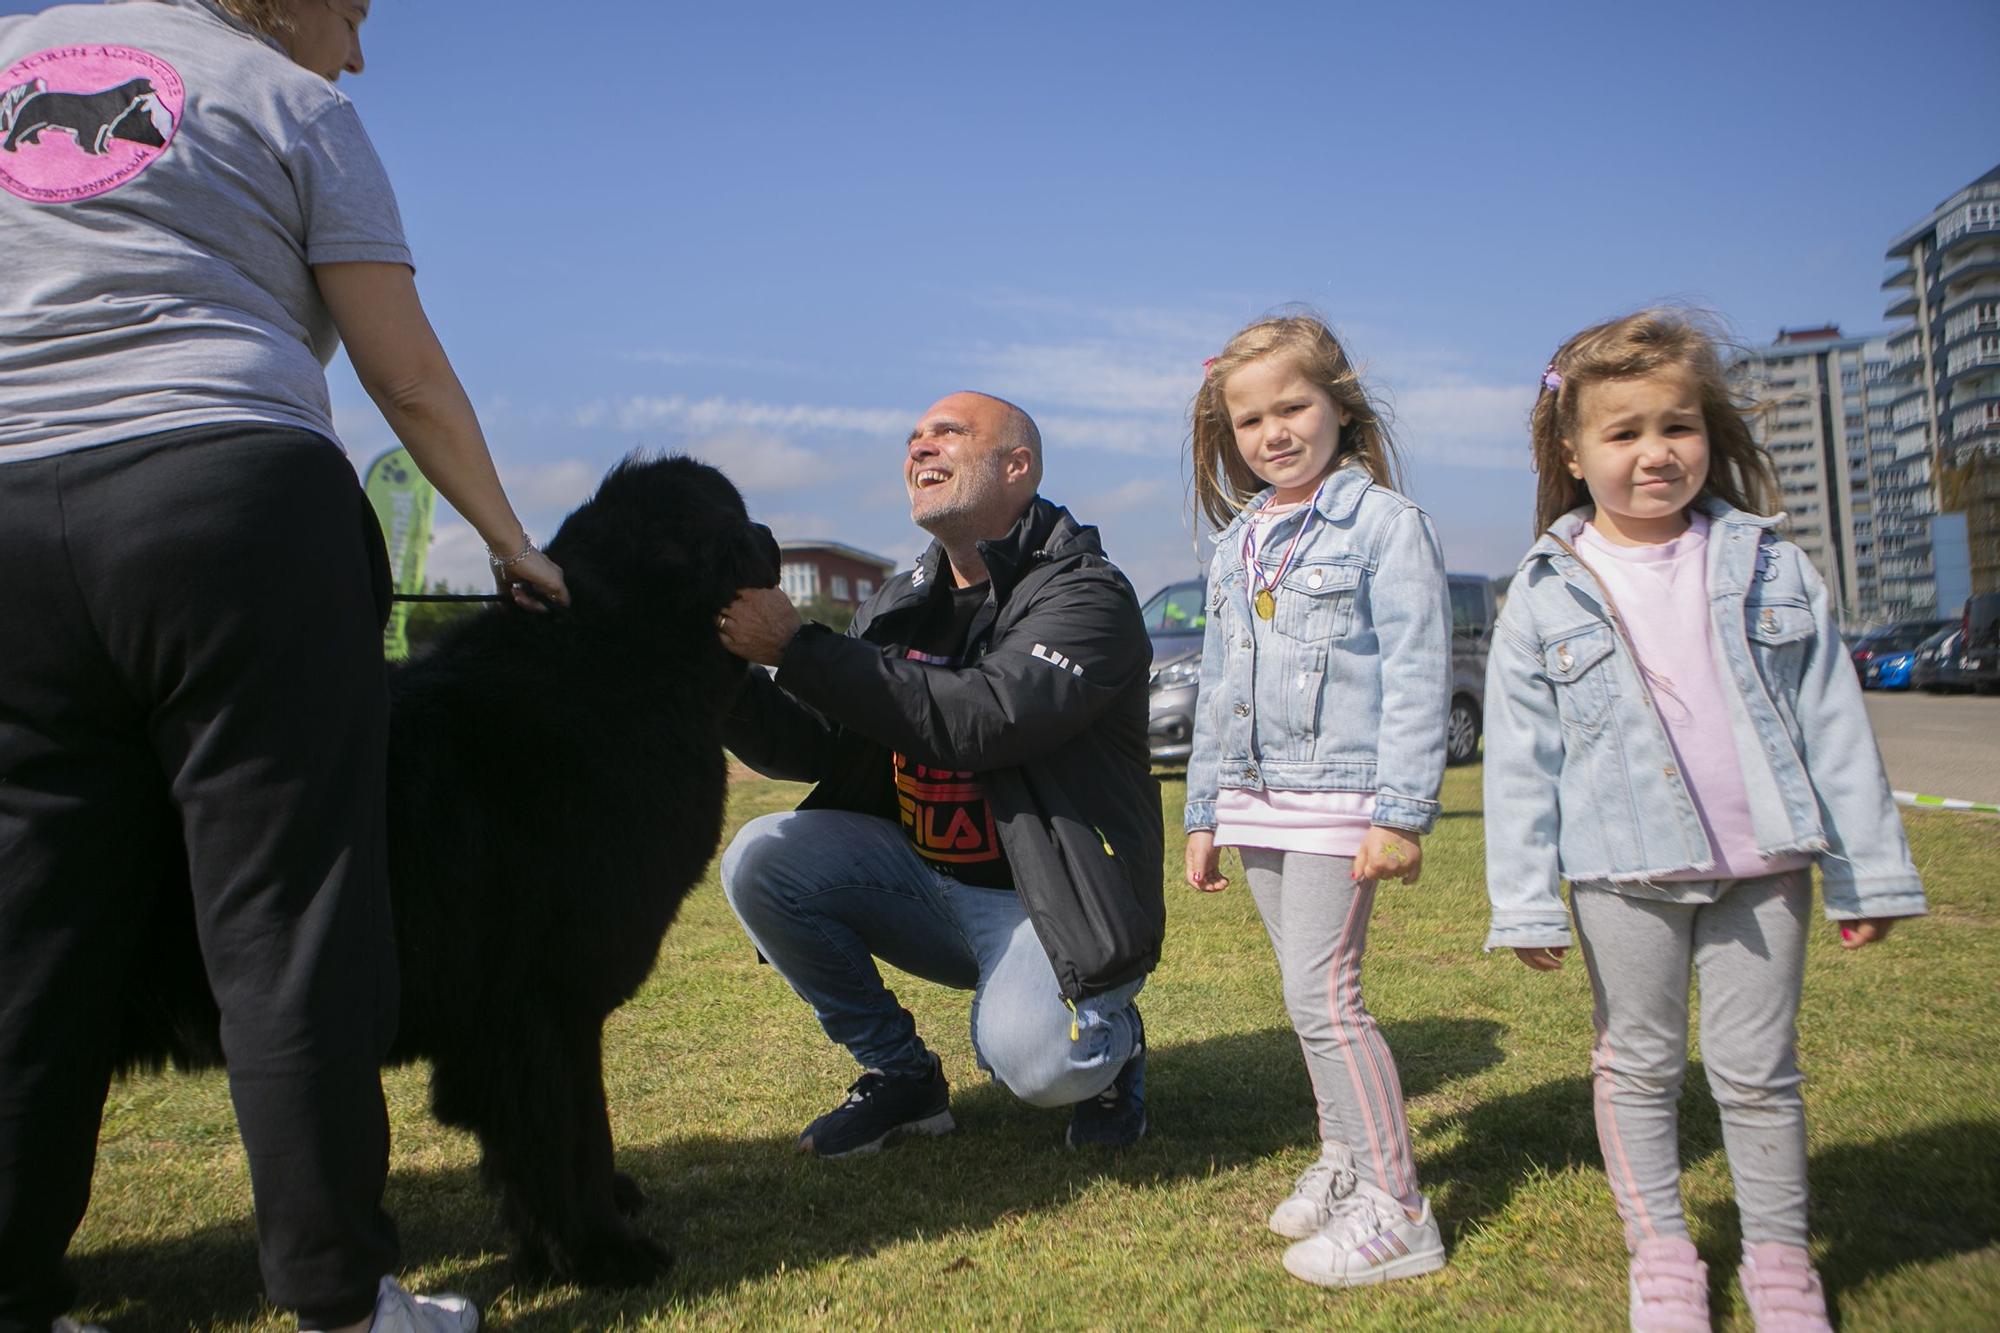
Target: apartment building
{"points": [[1944, 390], [1825, 421]]}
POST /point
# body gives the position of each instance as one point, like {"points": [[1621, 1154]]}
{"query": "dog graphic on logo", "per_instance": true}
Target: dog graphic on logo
{"points": [[130, 111]]}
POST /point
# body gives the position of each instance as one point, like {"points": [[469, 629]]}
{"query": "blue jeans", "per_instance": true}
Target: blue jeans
{"points": [[824, 893]]}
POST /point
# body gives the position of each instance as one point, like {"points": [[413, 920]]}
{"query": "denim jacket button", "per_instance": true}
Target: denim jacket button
{"points": [[1243, 710], [1246, 641], [1313, 580], [1670, 771]]}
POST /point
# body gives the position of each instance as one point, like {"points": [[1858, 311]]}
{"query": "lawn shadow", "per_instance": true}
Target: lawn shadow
{"points": [[736, 1209], [1908, 1198], [1550, 1128]]}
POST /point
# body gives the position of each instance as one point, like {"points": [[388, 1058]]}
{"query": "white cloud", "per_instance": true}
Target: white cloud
{"points": [[757, 461], [1460, 423], [457, 555], [559, 486], [715, 415], [1103, 376], [1159, 437]]}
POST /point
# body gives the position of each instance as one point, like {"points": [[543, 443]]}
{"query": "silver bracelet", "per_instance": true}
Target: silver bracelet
{"points": [[500, 562]]}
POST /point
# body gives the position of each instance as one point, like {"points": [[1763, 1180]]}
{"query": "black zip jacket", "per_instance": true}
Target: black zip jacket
{"points": [[1048, 708]]}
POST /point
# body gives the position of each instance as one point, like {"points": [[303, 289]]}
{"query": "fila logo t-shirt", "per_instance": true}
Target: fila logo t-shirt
{"points": [[944, 812]]}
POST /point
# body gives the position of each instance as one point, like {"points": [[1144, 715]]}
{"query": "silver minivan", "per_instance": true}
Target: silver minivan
{"points": [[1176, 615]]}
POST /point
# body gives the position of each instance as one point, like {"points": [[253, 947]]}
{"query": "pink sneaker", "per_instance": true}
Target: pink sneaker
{"points": [[1669, 1288], [1782, 1290]]}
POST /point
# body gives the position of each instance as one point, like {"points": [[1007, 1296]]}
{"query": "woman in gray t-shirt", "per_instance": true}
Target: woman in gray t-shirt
{"points": [[192, 696]]}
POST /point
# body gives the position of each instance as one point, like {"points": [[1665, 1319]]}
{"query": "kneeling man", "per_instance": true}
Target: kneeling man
{"points": [[985, 815]]}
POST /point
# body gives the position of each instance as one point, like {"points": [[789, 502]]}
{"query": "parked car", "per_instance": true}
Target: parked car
{"points": [[1473, 610], [1176, 615], [1937, 668], [1979, 655], [1883, 657]]}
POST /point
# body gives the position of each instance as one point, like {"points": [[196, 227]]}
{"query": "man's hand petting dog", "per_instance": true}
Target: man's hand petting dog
{"points": [[758, 625]]}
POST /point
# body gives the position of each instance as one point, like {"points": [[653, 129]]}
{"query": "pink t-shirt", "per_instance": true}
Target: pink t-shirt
{"points": [[1325, 823], [1662, 596]]}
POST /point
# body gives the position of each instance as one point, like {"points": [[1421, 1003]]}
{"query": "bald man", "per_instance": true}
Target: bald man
{"points": [[984, 814]]}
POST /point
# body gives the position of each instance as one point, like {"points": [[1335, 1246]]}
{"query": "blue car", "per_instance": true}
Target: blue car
{"points": [[1885, 657]]}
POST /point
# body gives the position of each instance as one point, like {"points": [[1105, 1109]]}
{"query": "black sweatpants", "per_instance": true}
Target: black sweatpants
{"points": [[192, 693]]}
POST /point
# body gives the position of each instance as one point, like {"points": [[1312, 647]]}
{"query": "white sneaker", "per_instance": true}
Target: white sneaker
{"points": [[1368, 1239], [397, 1311], [1314, 1192]]}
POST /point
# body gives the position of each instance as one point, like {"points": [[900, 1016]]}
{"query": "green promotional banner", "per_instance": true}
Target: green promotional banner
{"points": [[403, 502]]}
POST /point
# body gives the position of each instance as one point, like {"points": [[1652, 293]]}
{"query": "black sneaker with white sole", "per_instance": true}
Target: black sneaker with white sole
{"points": [[880, 1106]]}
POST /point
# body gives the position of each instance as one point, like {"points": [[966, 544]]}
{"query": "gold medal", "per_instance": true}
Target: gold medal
{"points": [[1266, 603]]}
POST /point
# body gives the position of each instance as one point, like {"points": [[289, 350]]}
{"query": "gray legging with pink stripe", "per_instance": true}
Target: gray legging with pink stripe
{"points": [[1318, 921], [1748, 950]]}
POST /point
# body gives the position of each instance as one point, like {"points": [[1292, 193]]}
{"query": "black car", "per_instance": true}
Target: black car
{"points": [[1979, 652], [1937, 666]]}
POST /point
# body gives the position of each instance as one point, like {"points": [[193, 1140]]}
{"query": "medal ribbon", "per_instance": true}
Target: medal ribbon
{"points": [[1264, 599]]}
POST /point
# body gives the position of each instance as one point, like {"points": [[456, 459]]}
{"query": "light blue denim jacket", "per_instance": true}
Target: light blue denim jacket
{"points": [[1581, 781], [1351, 688]]}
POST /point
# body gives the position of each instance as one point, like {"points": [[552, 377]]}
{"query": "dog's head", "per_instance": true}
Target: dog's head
{"points": [[664, 537]]}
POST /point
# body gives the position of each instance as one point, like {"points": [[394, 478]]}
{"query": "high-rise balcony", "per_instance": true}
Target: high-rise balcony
{"points": [[1901, 275], [1980, 260], [1981, 351], [1976, 420], [1980, 317], [1973, 218]]}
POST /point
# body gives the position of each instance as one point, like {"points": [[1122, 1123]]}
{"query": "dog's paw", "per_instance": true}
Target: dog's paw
{"points": [[626, 1195], [630, 1260]]}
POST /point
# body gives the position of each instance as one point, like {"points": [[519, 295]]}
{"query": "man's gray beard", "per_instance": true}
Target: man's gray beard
{"points": [[965, 512]]}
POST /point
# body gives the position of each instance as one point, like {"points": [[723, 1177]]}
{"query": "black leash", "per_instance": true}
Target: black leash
{"points": [[446, 597]]}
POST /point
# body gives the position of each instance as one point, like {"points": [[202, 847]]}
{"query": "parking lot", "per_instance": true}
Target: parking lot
{"points": [[1939, 745]]}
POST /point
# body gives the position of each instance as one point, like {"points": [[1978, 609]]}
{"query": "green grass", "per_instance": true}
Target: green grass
{"points": [[714, 1067]]}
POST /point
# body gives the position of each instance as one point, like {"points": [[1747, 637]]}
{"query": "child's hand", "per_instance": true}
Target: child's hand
{"points": [[1543, 960], [1202, 860], [1854, 934], [1388, 853]]}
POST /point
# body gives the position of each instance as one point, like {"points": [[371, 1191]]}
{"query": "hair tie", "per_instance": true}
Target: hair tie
{"points": [[1209, 364], [1552, 379]]}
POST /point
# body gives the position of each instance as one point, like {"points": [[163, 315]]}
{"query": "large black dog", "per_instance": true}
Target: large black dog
{"points": [[556, 787]]}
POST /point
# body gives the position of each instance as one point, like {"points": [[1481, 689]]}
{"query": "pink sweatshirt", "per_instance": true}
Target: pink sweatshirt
{"points": [[1662, 596]]}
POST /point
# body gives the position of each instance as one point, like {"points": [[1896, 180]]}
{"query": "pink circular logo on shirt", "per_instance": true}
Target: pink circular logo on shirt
{"points": [[76, 121]]}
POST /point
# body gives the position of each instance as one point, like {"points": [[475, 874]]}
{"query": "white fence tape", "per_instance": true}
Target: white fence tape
{"points": [[1943, 803]]}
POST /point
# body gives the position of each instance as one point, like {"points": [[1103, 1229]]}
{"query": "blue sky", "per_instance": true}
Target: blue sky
{"points": [[771, 235]]}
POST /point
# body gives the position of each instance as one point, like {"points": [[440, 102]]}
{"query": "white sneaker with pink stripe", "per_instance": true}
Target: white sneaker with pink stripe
{"points": [[1368, 1238], [1319, 1187]]}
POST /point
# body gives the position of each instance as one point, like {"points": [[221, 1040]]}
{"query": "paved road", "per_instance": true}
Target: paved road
{"points": [[1939, 744]]}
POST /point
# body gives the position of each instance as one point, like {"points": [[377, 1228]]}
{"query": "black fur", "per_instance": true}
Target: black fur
{"points": [[94, 118], [556, 787]]}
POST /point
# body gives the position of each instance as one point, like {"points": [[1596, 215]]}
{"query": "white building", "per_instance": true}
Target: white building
{"points": [[1944, 373]]}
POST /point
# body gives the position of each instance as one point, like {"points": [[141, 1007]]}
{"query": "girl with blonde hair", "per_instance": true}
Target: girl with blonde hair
{"points": [[1319, 747]]}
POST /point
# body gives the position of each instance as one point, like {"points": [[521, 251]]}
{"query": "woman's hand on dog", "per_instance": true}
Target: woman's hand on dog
{"points": [[534, 581], [758, 625]]}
